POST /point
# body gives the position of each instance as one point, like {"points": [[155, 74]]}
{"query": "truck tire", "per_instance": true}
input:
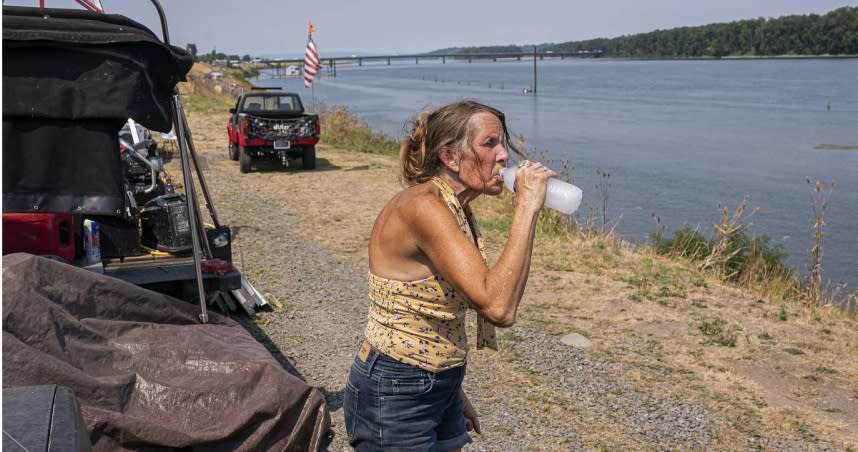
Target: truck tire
{"points": [[243, 159], [233, 151], [308, 157]]}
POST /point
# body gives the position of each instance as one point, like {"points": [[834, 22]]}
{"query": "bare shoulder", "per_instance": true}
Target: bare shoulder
{"points": [[394, 248], [422, 204]]}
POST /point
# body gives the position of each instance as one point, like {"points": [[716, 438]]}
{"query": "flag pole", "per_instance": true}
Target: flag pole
{"points": [[313, 85], [311, 65]]}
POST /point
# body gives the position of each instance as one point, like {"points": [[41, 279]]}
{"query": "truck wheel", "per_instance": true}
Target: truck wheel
{"points": [[243, 159], [233, 151], [308, 158]]}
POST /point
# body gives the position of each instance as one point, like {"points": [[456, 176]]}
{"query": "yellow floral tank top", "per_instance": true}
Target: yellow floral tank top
{"points": [[422, 322]]}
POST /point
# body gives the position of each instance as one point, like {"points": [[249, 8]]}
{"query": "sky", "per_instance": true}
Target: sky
{"points": [[381, 27]]}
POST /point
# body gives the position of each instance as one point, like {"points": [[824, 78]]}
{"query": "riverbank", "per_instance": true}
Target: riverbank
{"points": [[679, 359]]}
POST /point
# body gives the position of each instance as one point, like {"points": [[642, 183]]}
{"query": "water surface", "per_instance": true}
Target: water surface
{"points": [[676, 137]]}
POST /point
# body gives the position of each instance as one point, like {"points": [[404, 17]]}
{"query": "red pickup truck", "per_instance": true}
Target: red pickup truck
{"points": [[272, 124]]}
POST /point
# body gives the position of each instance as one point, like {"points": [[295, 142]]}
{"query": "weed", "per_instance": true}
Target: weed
{"points": [[603, 188], [342, 127], [794, 351], [783, 315], [511, 337], [717, 333], [699, 304], [826, 370], [558, 267], [803, 430], [765, 337], [204, 104], [687, 242], [818, 203]]}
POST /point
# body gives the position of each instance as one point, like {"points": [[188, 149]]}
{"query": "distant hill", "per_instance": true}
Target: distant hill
{"points": [[835, 33]]}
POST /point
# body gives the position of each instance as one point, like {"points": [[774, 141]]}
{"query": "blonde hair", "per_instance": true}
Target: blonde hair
{"points": [[447, 126]]}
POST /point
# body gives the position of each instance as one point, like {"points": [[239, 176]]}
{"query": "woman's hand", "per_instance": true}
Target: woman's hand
{"points": [[531, 179], [472, 422]]}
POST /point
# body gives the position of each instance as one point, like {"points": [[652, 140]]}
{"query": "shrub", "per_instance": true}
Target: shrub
{"points": [[687, 242], [341, 127]]}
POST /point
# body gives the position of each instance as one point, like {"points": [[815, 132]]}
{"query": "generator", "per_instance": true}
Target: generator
{"points": [[166, 225]]}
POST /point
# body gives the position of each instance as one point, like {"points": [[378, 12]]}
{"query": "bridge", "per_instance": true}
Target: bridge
{"points": [[469, 57], [332, 62]]}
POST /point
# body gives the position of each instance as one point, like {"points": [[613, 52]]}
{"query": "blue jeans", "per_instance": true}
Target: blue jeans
{"points": [[390, 405]]}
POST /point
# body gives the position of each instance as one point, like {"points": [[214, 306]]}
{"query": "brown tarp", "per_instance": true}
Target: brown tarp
{"points": [[147, 374]]}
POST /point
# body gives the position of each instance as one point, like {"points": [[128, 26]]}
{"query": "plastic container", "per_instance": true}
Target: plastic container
{"points": [[91, 242], [560, 196]]}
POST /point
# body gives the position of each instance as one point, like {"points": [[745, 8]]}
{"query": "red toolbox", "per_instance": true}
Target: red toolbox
{"points": [[39, 233]]}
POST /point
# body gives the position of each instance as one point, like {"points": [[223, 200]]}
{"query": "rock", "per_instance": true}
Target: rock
{"points": [[576, 340]]}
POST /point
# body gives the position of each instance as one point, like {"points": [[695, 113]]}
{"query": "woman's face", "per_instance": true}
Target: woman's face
{"points": [[481, 165]]}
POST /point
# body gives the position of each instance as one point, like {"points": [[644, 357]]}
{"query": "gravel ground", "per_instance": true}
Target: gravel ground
{"points": [[536, 394]]}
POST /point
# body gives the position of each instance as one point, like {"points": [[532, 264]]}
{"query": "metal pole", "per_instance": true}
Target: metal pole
{"points": [[179, 115], [193, 153], [534, 69], [163, 19]]}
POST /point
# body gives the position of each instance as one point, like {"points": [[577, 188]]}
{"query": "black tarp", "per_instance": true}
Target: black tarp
{"points": [[146, 373], [71, 78]]}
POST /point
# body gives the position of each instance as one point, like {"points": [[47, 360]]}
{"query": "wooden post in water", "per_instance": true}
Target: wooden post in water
{"points": [[534, 69]]}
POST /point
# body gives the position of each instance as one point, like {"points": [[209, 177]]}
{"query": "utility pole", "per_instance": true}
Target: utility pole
{"points": [[534, 69]]}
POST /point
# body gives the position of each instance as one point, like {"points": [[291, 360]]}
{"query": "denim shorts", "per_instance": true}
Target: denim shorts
{"points": [[390, 405]]}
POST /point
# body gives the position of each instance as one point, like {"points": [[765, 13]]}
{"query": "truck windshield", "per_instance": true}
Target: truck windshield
{"points": [[271, 103]]}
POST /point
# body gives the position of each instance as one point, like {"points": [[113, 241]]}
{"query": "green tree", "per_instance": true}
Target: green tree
{"points": [[835, 33], [192, 49]]}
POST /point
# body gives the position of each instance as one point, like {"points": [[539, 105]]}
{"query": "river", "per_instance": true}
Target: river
{"points": [[676, 137]]}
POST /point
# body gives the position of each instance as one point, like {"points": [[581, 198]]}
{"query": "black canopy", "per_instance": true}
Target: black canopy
{"points": [[70, 80]]}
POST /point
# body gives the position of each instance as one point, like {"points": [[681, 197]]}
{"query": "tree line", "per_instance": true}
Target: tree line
{"points": [[835, 33], [214, 55]]}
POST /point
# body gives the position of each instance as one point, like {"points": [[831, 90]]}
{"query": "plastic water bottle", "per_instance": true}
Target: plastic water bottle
{"points": [[560, 196]]}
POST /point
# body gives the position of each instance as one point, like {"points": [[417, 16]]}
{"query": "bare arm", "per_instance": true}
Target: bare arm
{"points": [[493, 292]]}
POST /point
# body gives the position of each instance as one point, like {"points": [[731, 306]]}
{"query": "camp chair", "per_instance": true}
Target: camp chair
{"points": [[169, 140]]}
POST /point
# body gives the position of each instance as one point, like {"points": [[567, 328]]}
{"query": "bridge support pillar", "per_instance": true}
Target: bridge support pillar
{"points": [[443, 60], [388, 61], [360, 61], [416, 60], [469, 59]]}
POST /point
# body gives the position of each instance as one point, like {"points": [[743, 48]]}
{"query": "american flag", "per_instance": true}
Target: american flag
{"points": [[92, 5], [311, 60]]}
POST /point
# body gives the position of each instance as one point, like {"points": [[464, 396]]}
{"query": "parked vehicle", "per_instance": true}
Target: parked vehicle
{"points": [[272, 124], [83, 182], [148, 371]]}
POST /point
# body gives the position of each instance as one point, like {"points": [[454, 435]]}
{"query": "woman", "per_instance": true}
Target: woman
{"points": [[427, 268]]}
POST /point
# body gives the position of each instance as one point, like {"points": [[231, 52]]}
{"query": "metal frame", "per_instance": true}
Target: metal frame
{"points": [[188, 153]]}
